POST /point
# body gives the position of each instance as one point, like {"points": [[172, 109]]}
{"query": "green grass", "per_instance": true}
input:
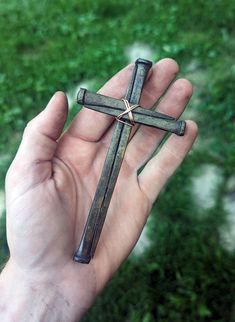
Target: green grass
{"points": [[187, 274]]}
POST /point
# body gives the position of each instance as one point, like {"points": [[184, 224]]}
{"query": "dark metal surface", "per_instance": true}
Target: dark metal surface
{"points": [[101, 103], [110, 170], [116, 152]]}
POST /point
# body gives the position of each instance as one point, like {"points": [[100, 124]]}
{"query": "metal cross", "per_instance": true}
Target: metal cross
{"points": [[127, 112]]}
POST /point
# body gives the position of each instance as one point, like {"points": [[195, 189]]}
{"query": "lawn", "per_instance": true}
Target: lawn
{"points": [[187, 273]]}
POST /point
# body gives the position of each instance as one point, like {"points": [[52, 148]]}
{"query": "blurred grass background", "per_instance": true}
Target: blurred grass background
{"points": [[187, 271]]}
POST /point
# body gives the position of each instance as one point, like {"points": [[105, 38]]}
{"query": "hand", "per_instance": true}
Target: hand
{"points": [[53, 178]]}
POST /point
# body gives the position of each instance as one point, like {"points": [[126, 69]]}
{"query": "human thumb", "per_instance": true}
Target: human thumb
{"points": [[39, 141]]}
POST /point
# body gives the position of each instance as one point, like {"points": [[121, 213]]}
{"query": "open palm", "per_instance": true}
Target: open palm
{"points": [[51, 183]]}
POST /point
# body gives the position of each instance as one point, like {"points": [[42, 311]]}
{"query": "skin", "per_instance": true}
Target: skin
{"points": [[50, 186]]}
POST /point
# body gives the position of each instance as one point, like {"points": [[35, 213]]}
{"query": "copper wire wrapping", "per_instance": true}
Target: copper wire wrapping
{"points": [[129, 109]]}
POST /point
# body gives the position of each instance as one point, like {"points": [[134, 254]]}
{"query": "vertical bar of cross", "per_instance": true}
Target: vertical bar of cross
{"points": [[111, 168]]}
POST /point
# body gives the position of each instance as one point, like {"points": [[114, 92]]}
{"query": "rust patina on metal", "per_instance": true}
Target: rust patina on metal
{"points": [[116, 152], [101, 103]]}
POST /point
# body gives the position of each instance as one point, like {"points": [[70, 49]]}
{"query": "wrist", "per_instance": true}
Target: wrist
{"points": [[24, 298]]}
